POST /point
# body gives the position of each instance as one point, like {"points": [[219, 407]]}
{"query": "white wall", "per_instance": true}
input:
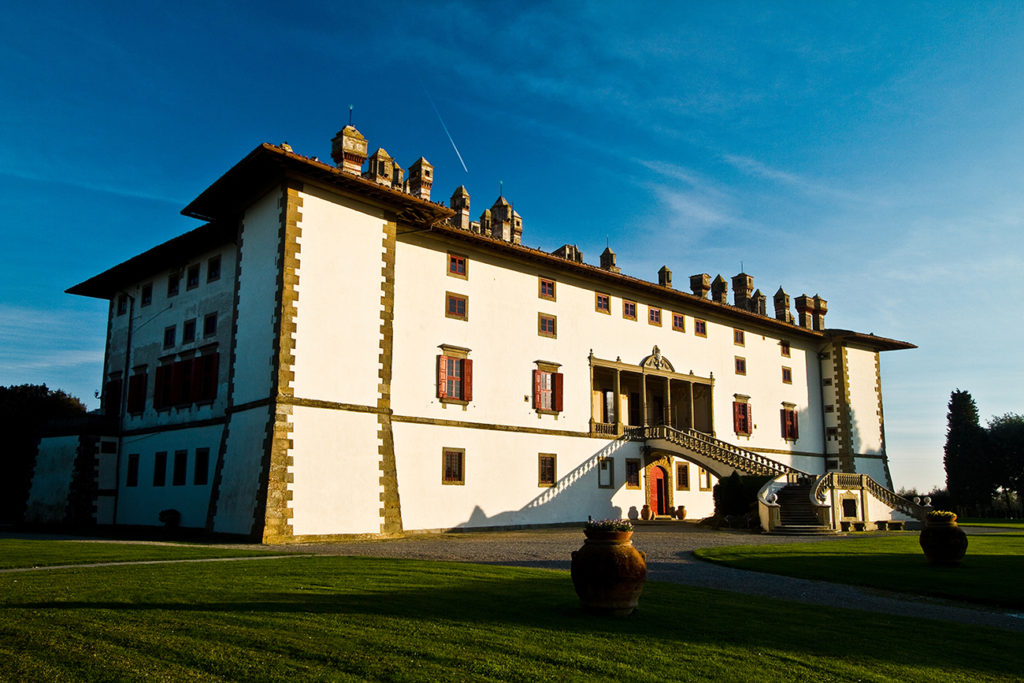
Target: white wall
{"points": [[863, 373], [236, 501], [51, 479]]}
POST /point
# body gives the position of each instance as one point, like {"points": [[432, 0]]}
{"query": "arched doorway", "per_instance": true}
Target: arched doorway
{"points": [[657, 495]]}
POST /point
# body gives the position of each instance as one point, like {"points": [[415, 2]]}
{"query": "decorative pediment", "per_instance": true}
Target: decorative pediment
{"points": [[656, 361]]}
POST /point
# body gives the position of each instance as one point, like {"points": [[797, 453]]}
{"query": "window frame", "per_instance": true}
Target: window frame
{"points": [[454, 260], [213, 269], [459, 455], [210, 325], [678, 322], [541, 281], [790, 423], [450, 297], [606, 464], [654, 316], [683, 482], [191, 284], [122, 304], [201, 466], [704, 480], [542, 318], [742, 418], [459, 357], [627, 304], [188, 331], [607, 309], [740, 365], [179, 471], [146, 295], [739, 337], [170, 336], [160, 469], [785, 349], [554, 392], [541, 480], [787, 375], [638, 464], [700, 327], [174, 283]]}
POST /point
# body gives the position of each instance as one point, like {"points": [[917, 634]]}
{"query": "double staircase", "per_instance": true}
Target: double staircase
{"points": [[799, 516]]}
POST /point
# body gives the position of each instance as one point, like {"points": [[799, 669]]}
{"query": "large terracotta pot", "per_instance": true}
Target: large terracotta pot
{"points": [[609, 573], [681, 512], [943, 542], [645, 512]]}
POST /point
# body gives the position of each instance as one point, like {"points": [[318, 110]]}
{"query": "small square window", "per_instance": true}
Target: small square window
{"points": [[546, 469], [188, 331], [787, 375], [679, 322], [457, 266], [683, 476], [546, 325], [705, 480], [147, 294], [606, 473], [784, 348], [192, 279], [741, 365], [629, 310], [654, 316], [738, 338], [700, 328], [632, 473], [453, 462], [173, 283], [122, 304], [546, 289], [456, 306], [213, 269], [170, 334], [210, 325], [602, 303]]}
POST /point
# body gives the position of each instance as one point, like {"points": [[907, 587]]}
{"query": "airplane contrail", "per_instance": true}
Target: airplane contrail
{"points": [[454, 146]]}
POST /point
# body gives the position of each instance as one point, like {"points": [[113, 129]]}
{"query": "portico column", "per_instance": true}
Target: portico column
{"points": [[643, 398], [617, 403], [691, 406], [668, 402]]}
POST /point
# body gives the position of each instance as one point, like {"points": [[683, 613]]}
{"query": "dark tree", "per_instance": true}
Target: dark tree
{"points": [[1006, 453], [968, 477], [25, 411]]}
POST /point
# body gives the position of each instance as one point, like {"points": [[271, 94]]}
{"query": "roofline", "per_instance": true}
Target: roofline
{"points": [[871, 340]]}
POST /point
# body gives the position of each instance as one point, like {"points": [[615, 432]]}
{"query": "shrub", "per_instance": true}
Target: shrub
{"points": [[608, 525], [170, 518]]}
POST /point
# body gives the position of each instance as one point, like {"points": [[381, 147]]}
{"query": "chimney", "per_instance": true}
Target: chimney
{"points": [[608, 260], [759, 303], [804, 311], [503, 220], [820, 309], [421, 177], [485, 222], [781, 300], [398, 178], [700, 285], [381, 169], [348, 149], [720, 290], [570, 252], [459, 203], [665, 277], [742, 288]]}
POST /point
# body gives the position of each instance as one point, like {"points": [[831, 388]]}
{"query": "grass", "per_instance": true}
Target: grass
{"points": [[44, 553], [335, 618], [992, 522], [989, 574]]}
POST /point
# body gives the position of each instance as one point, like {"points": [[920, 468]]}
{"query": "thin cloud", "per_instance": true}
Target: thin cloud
{"points": [[116, 191]]}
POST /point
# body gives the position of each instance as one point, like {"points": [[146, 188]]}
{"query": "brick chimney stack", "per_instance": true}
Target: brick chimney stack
{"points": [[608, 260], [720, 290], [700, 285], [804, 311], [348, 149], [759, 303], [781, 301], [421, 178], [742, 291], [665, 277], [459, 203], [820, 309]]}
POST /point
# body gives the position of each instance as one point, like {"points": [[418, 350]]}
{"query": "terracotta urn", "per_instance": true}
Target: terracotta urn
{"points": [[645, 512], [681, 512], [608, 573], [943, 541]]}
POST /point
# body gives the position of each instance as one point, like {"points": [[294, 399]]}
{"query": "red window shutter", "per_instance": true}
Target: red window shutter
{"points": [[796, 427], [537, 378], [749, 421], [782, 414], [467, 380], [737, 423], [556, 378], [160, 387], [442, 376], [212, 375], [137, 393], [196, 380]]}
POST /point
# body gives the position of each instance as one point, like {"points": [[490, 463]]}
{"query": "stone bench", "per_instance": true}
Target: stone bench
{"points": [[890, 524], [852, 525]]}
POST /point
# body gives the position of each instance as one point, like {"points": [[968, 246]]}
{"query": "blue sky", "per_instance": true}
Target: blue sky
{"points": [[872, 153]]}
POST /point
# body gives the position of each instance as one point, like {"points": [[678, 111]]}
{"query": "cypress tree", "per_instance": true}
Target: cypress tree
{"points": [[967, 471]]}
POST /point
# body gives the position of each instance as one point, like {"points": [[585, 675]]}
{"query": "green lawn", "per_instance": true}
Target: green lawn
{"points": [[992, 522], [989, 574], [15, 552], [335, 618]]}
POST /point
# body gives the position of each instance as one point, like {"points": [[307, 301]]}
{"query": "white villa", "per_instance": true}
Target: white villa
{"points": [[331, 354]]}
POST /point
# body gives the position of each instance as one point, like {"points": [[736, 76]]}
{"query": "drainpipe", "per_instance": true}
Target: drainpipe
{"points": [[123, 408]]}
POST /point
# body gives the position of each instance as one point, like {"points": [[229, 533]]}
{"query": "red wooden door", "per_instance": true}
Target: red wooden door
{"points": [[657, 494]]}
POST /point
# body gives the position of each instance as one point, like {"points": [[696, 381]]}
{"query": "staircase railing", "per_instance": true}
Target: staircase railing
{"points": [[715, 449], [833, 480]]}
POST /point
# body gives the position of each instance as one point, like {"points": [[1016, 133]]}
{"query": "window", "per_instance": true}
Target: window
{"points": [[738, 338], [547, 390], [180, 468], [457, 266], [181, 382], [546, 474], [456, 306], [192, 278], [784, 349], [790, 429], [700, 328], [147, 294], [705, 479], [678, 322], [602, 303], [741, 422], [112, 395], [683, 476], [188, 331], [827, 381], [546, 289], [170, 333], [173, 283], [160, 468], [654, 316], [787, 375], [606, 473], [190, 380], [205, 378], [629, 310], [452, 466], [122, 304], [632, 473], [546, 325], [201, 475], [137, 392], [213, 269], [830, 409], [454, 376], [210, 325], [832, 433], [132, 476], [741, 365]]}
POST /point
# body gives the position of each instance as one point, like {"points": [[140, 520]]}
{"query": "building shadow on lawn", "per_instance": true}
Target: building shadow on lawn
{"points": [[669, 616]]}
